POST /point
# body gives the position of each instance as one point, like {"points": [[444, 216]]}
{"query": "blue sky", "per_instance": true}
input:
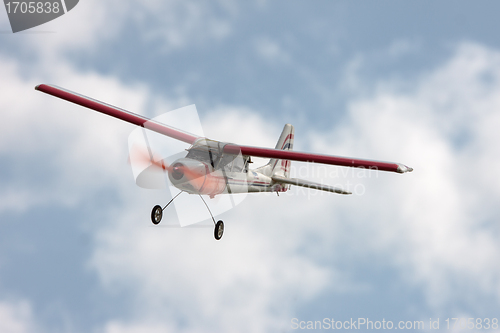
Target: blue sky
{"points": [[411, 82]]}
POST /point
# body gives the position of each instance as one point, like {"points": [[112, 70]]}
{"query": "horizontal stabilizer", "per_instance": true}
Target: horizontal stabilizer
{"points": [[308, 184]]}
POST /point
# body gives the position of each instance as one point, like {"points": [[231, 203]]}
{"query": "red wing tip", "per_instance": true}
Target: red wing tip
{"points": [[40, 86], [43, 85]]}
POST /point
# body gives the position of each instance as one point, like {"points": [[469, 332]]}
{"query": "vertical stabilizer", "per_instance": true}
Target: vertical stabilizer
{"points": [[285, 142]]}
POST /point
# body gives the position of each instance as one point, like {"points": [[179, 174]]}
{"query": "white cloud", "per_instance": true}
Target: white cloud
{"points": [[189, 22], [120, 327], [42, 128], [85, 152], [189, 280], [53, 147], [424, 223], [16, 317], [271, 51], [171, 24], [441, 215], [186, 277], [434, 224]]}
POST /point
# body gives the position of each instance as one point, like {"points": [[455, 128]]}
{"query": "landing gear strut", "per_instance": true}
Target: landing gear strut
{"points": [[219, 226]]}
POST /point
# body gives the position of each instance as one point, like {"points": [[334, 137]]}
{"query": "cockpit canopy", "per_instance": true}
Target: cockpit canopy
{"points": [[212, 153]]}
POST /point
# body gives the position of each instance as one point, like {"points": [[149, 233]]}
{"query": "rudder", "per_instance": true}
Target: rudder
{"points": [[285, 142]]}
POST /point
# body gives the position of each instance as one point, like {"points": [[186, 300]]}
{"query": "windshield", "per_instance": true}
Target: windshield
{"points": [[208, 157], [234, 163], [226, 162]]}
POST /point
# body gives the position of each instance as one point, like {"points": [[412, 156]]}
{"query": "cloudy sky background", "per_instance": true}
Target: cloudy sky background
{"points": [[410, 82]]}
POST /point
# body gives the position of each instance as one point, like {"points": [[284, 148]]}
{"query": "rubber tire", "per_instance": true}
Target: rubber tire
{"points": [[219, 230], [156, 214]]}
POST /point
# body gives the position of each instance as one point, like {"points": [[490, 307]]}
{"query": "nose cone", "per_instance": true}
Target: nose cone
{"points": [[187, 174], [178, 171]]}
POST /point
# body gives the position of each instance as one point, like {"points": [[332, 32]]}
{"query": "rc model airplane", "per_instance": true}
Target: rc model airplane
{"points": [[213, 167]]}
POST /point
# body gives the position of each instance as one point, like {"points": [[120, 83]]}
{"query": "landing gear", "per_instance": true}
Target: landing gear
{"points": [[156, 214], [219, 230], [219, 226]]}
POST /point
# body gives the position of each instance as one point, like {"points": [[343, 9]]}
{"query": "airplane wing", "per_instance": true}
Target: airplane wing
{"points": [[228, 148], [117, 112], [317, 158], [308, 184]]}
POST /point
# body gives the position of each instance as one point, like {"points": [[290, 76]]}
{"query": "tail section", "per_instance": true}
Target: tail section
{"points": [[285, 142], [279, 170]]}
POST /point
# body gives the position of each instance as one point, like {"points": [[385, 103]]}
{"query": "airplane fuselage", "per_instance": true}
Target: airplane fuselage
{"points": [[199, 177]]}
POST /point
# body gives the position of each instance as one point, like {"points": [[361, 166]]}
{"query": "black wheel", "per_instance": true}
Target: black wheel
{"points": [[219, 230], [156, 214]]}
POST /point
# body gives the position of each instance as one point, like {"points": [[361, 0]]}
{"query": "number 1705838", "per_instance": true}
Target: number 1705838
{"points": [[32, 7]]}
